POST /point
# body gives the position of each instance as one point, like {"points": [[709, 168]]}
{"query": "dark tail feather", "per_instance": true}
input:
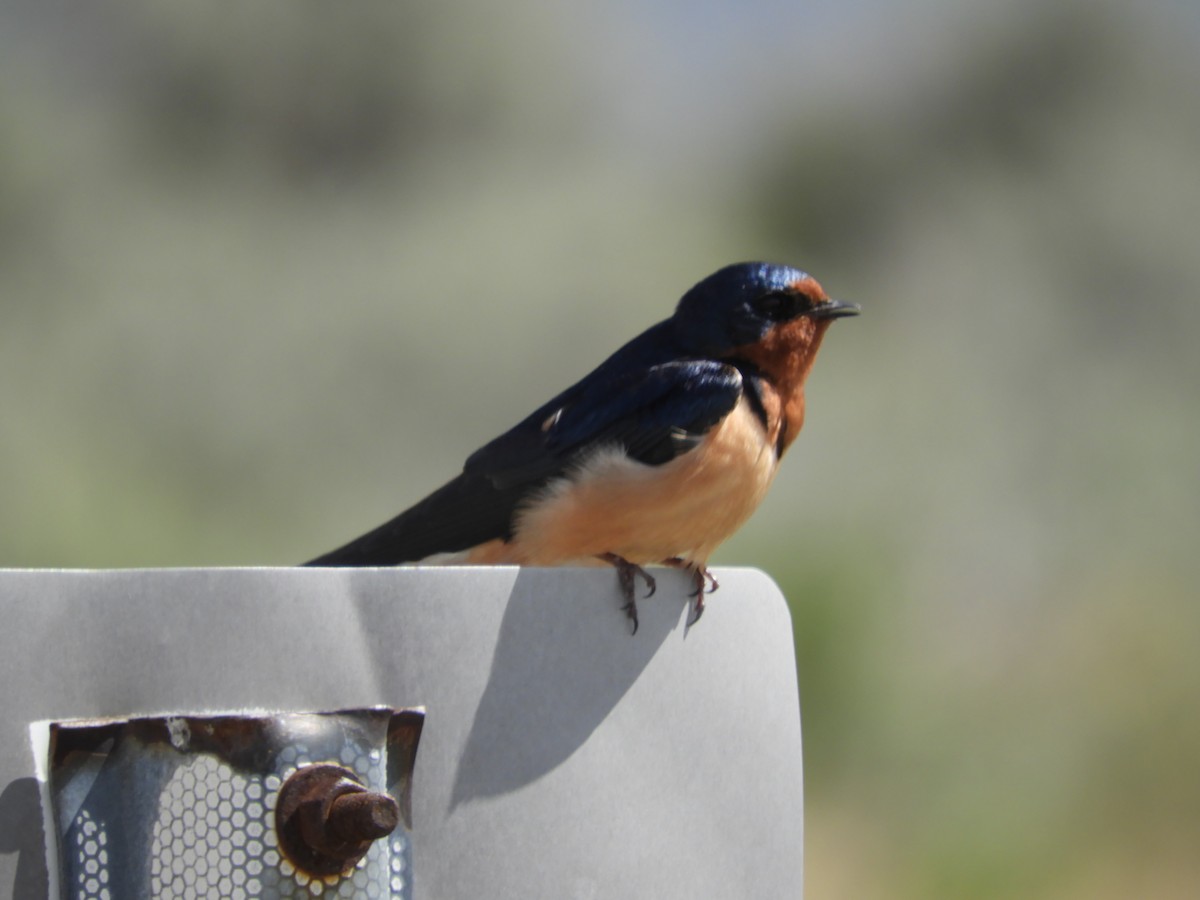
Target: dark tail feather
{"points": [[467, 511]]}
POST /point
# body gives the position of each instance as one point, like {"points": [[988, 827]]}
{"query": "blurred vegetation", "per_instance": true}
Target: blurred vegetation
{"points": [[262, 270]]}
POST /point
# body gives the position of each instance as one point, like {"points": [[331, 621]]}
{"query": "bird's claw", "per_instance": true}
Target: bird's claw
{"points": [[706, 583], [630, 609], [626, 573], [704, 580]]}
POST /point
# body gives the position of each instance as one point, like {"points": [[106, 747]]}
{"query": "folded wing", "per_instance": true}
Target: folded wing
{"points": [[655, 414]]}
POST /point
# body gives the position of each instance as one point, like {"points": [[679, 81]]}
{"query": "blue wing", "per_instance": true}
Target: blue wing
{"points": [[655, 412]]}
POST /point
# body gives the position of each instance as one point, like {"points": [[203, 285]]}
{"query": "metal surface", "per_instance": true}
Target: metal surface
{"points": [[561, 758], [185, 806]]}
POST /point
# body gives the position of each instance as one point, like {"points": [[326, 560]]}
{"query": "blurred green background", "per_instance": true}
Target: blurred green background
{"points": [[265, 267]]}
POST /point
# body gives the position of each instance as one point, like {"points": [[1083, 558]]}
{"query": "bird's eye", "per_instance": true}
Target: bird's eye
{"points": [[777, 305]]}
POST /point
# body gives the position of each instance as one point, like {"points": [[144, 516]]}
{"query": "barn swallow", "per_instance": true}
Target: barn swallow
{"points": [[656, 456]]}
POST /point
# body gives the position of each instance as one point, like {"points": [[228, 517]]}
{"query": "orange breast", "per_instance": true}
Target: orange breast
{"points": [[785, 357]]}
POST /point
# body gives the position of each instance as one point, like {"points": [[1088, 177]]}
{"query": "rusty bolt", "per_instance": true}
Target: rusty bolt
{"points": [[326, 820], [363, 816]]}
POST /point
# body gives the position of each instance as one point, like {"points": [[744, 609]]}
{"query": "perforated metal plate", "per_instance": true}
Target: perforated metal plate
{"points": [[179, 808]]}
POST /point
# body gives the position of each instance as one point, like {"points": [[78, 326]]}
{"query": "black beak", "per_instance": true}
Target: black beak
{"points": [[833, 309]]}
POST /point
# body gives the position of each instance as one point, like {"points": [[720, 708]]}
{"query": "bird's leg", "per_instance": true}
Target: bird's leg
{"points": [[626, 572], [704, 580]]}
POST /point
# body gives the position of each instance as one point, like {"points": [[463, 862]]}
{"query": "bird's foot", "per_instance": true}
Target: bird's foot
{"points": [[626, 573], [705, 581]]}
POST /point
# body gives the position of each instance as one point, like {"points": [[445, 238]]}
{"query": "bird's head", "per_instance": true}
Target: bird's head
{"points": [[748, 303]]}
